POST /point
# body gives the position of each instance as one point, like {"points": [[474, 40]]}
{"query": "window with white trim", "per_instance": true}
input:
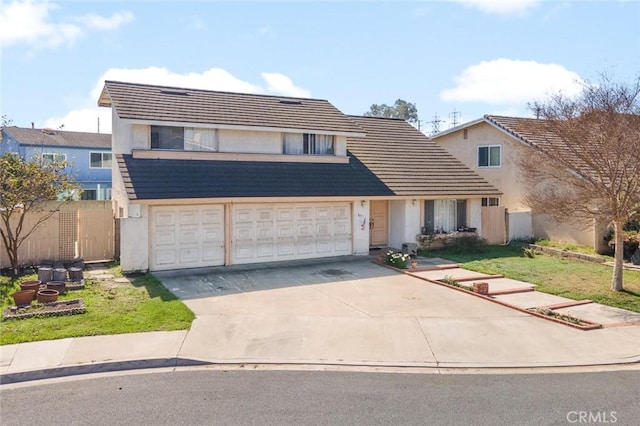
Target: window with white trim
{"points": [[490, 156], [100, 160], [490, 201], [184, 138], [307, 143], [50, 157]]}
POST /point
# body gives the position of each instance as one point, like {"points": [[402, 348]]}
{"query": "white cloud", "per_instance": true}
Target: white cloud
{"points": [[98, 22], [30, 22], [508, 81], [84, 116], [280, 84], [501, 7]]}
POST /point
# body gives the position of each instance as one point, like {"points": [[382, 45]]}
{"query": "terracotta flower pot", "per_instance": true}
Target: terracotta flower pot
{"points": [[47, 296], [23, 297], [31, 285], [60, 286], [414, 265]]}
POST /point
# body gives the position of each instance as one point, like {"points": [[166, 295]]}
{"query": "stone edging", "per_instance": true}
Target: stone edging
{"points": [[565, 253]]}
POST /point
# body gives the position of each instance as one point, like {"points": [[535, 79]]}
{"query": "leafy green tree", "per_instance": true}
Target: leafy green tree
{"points": [[400, 109], [25, 186]]}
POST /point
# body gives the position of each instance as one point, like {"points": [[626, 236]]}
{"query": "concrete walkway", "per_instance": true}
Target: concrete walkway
{"points": [[346, 311]]}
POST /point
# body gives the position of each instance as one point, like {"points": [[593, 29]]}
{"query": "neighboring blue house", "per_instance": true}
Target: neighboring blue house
{"points": [[88, 155]]}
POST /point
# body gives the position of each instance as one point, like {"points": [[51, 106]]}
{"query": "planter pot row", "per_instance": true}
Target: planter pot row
{"points": [[25, 297]]}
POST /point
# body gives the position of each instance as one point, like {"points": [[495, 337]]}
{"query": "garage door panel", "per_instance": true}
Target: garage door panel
{"points": [[290, 231], [265, 250], [165, 218], [189, 255], [189, 217], [286, 248], [189, 236], [165, 257], [165, 237], [305, 246], [343, 246]]}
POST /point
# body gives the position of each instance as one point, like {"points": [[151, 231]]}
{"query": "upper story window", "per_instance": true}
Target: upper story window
{"points": [[183, 138], [308, 143], [100, 160], [48, 157], [489, 156]]}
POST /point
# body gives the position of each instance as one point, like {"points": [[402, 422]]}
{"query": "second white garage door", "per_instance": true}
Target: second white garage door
{"points": [[186, 237], [270, 232]]}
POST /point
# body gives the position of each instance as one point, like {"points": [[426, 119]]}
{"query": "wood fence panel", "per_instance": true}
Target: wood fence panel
{"points": [[96, 238], [494, 225], [81, 228]]}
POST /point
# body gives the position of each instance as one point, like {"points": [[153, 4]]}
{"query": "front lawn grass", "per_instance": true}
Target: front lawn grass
{"points": [[566, 277], [112, 308]]}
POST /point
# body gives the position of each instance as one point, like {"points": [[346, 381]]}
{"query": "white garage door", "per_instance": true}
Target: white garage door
{"points": [[269, 232], [186, 237]]}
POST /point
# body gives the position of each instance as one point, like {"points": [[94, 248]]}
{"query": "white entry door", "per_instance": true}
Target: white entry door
{"points": [[271, 232], [186, 237]]}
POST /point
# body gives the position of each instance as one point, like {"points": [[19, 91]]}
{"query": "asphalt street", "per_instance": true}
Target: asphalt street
{"points": [[206, 397]]}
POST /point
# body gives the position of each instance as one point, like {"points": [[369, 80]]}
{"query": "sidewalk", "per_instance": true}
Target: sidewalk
{"points": [[350, 313]]}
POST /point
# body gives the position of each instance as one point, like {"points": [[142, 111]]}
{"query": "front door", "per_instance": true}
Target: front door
{"points": [[378, 235]]}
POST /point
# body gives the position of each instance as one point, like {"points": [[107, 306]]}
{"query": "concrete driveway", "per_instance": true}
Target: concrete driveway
{"points": [[352, 311]]}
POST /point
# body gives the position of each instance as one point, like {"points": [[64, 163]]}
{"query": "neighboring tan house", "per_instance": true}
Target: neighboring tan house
{"points": [[490, 146], [88, 155], [206, 178]]}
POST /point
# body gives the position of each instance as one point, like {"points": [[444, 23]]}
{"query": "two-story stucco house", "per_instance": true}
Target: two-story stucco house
{"points": [[88, 155], [491, 146], [205, 178]]}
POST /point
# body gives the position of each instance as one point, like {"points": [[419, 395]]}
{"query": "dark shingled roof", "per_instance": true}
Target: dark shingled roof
{"points": [[411, 164], [161, 103], [62, 138], [154, 179]]}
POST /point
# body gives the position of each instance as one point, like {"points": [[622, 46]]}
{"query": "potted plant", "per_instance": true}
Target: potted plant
{"points": [[31, 285], [23, 297], [47, 295]]}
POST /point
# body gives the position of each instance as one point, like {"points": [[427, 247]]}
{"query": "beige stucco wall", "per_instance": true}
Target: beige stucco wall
{"points": [[507, 178]]}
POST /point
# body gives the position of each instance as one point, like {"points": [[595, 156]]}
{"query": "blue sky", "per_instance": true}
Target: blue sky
{"points": [[471, 56]]}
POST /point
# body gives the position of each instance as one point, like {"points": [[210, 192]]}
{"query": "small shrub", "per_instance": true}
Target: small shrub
{"points": [[396, 259], [468, 245], [529, 252]]}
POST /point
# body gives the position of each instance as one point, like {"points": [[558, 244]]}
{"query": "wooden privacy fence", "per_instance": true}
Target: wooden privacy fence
{"points": [[494, 224], [83, 229]]}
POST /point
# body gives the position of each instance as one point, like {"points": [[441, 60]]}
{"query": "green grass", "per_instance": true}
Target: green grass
{"points": [[112, 308], [570, 278]]}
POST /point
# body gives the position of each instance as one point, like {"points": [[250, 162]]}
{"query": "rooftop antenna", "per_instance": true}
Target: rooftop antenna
{"points": [[98, 124], [454, 117]]}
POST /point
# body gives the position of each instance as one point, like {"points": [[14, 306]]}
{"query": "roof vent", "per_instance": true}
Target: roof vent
{"points": [[287, 102], [173, 92], [48, 131]]}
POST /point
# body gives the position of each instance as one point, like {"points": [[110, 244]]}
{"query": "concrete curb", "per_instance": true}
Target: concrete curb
{"points": [[177, 362], [94, 368]]}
